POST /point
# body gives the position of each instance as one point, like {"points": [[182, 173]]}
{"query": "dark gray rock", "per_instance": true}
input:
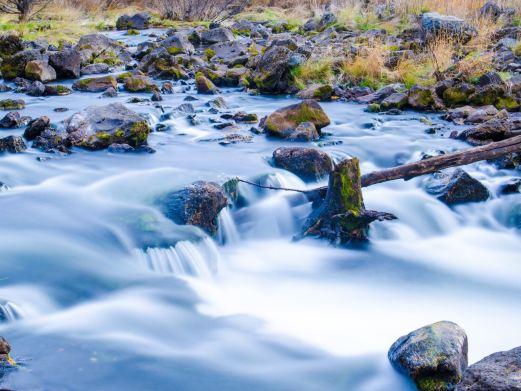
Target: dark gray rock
{"points": [[98, 48], [500, 371], [36, 127], [12, 144], [11, 120], [272, 73], [138, 21], [434, 356], [198, 204], [36, 88], [67, 63], [309, 164], [216, 35], [455, 187], [434, 24], [487, 132], [94, 69]]}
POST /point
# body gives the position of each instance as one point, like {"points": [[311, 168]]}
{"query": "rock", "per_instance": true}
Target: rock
{"points": [[456, 187], [11, 120], [12, 144], [36, 88], [97, 127], [487, 132], [398, 100], [216, 35], [491, 10], [326, 21], [140, 21], [378, 96], [421, 98], [120, 148], [67, 63], [56, 90], [5, 88], [481, 114], [458, 95], [96, 84], [140, 83], [490, 78], [246, 118], [198, 204], [36, 127], [272, 73], [434, 356], [98, 48], [178, 44], [284, 122], [5, 349], [12, 104], [321, 92], [156, 97], [498, 372], [513, 186], [307, 163], [110, 92], [434, 24], [204, 85], [14, 66], [94, 69], [40, 70], [10, 44]]}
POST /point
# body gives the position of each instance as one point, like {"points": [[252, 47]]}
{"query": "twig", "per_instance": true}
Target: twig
{"points": [[271, 187]]}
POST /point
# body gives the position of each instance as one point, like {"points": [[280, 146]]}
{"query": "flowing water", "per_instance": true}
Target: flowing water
{"points": [[98, 290]]}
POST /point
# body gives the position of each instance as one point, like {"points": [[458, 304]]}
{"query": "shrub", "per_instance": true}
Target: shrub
{"points": [[197, 10]]}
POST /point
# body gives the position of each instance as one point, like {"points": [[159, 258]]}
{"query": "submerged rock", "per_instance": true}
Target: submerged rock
{"points": [[500, 371], [284, 122], [455, 187], [198, 204], [12, 144], [307, 163], [434, 356]]}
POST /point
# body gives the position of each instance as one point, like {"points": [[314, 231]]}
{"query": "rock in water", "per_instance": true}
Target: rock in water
{"points": [[455, 187], [5, 349], [272, 73], [138, 21], [500, 371], [67, 63], [96, 84], [434, 356], [39, 70], [204, 85], [198, 204], [283, 122], [36, 127], [12, 144], [342, 217], [307, 163]]}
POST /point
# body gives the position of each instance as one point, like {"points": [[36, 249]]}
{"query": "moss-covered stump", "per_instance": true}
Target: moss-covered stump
{"points": [[283, 122], [342, 217], [434, 356]]}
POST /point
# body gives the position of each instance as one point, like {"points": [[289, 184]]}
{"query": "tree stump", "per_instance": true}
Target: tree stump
{"points": [[342, 217]]}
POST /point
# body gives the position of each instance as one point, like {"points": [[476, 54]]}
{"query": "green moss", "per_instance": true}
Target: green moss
{"points": [[12, 104], [432, 384], [123, 76], [517, 49], [139, 132], [10, 70], [374, 108], [119, 133], [174, 50], [453, 96], [509, 103], [133, 32], [109, 57], [209, 54], [103, 136]]}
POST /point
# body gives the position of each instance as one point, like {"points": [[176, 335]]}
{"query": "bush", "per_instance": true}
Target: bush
{"points": [[198, 10]]}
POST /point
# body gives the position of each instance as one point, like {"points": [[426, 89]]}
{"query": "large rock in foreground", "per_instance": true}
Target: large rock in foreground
{"points": [[97, 127], [455, 187], [307, 163], [500, 371], [198, 204], [434, 356], [283, 122]]}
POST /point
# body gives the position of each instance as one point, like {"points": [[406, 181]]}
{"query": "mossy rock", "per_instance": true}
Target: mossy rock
{"points": [[458, 95], [508, 103], [95, 84], [12, 104], [204, 85], [288, 118], [138, 83]]}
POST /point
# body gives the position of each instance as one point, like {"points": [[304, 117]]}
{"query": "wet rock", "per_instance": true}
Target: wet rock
{"points": [[246, 118], [110, 92], [138, 83], [11, 120], [421, 98], [272, 73], [198, 204], [498, 372], [434, 356], [94, 69], [120, 148], [167, 88], [40, 70], [454, 187], [67, 63], [140, 21], [398, 100], [434, 24], [320, 92], [57, 90], [307, 163], [95, 84], [216, 35], [5, 349], [487, 132], [36, 88], [186, 108], [12, 144], [284, 122], [5, 88], [12, 104], [156, 97], [36, 127], [204, 85], [97, 127], [472, 115], [513, 186], [378, 96]]}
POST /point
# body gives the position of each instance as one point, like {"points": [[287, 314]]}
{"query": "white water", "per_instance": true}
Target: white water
{"points": [[110, 295]]}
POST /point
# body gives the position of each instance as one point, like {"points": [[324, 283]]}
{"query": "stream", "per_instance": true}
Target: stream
{"points": [[99, 290]]}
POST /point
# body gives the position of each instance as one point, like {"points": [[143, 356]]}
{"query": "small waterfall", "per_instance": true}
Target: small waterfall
{"points": [[9, 311], [227, 233], [186, 258]]}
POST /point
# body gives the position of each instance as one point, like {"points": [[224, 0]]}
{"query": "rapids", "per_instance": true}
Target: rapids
{"points": [[98, 290]]}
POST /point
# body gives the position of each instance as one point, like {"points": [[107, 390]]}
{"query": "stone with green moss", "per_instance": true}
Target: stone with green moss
{"points": [[320, 92], [508, 103], [204, 85], [95, 84], [12, 104], [421, 98], [138, 83], [458, 95]]}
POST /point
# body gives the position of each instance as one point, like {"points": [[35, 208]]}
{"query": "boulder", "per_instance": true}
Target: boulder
{"points": [[95, 84], [97, 127], [98, 48], [433, 24], [434, 356], [398, 100], [14, 66], [283, 122], [421, 98], [36, 127], [5, 349], [272, 73], [198, 204], [178, 44], [320, 92], [458, 95], [11, 120], [56, 90], [204, 85], [378, 96], [307, 163], [10, 44], [12, 144], [40, 70], [454, 187], [500, 371], [245, 118], [487, 132], [94, 69], [232, 52], [140, 21], [67, 63], [140, 83], [216, 35], [12, 104]]}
